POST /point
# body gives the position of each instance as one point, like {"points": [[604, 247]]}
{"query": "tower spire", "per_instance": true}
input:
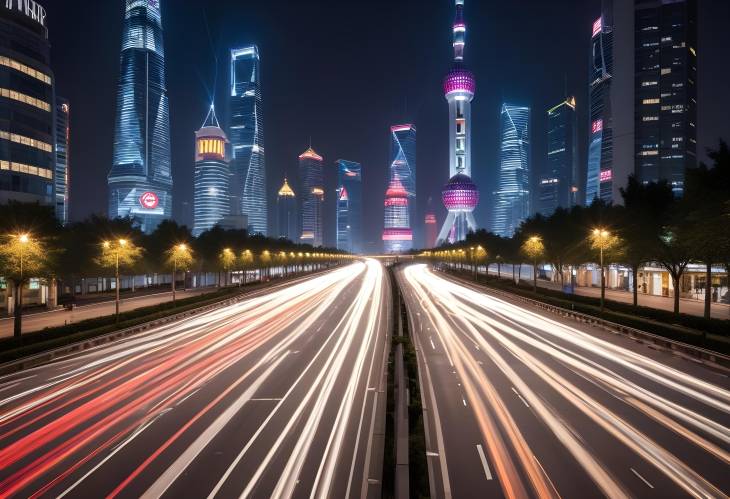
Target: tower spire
{"points": [[211, 119], [459, 32]]}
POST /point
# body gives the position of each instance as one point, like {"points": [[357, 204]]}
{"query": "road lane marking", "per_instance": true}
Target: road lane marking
{"points": [[432, 454], [520, 396], [642, 478], [485, 465], [261, 399], [431, 340]]}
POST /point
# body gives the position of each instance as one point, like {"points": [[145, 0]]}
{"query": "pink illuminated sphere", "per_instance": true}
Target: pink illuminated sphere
{"points": [[460, 194], [460, 80]]}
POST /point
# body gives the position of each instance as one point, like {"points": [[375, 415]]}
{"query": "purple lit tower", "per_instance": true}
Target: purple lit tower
{"points": [[460, 195]]}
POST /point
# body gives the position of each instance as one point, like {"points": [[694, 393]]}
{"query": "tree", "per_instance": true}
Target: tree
{"points": [[603, 241], [118, 254], [533, 248], [22, 256], [227, 259], [179, 257]]}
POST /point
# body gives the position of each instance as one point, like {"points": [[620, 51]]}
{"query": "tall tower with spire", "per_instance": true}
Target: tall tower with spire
{"points": [[460, 194], [212, 172]]}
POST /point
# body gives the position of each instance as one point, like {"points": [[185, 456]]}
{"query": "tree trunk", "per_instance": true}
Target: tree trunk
{"points": [[635, 292], [675, 280], [708, 290], [18, 312], [499, 270]]}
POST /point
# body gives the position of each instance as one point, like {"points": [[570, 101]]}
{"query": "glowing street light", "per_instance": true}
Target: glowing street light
{"points": [[116, 248], [180, 255], [602, 240]]}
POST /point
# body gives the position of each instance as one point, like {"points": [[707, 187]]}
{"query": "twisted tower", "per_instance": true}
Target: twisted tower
{"points": [[460, 195]]}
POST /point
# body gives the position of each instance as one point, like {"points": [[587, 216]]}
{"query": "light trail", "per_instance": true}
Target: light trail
{"points": [[493, 344], [140, 414]]}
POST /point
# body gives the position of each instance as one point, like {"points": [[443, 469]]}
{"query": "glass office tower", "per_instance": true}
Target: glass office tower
{"points": [[599, 181], [349, 206], [27, 159], [403, 165], [246, 131], [512, 198], [397, 234], [558, 184], [212, 174], [140, 180], [311, 179], [287, 213], [665, 90], [62, 178]]}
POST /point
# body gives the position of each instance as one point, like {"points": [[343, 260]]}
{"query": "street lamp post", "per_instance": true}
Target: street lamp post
{"points": [[121, 243], [601, 237], [179, 248], [23, 239]]}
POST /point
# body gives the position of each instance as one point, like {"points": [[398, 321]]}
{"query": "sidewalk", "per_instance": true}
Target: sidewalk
{"points": [[686, 305], [40, 320]]}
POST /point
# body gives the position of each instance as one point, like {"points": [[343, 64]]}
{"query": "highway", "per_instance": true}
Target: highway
{"points": [[280, 395], [521, 403]]}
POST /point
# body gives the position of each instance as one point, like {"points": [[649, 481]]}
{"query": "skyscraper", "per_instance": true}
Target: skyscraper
{"points": [[599, 181], [558, 184], [431, 232], [248, 184], [27, 160], [349, 206], [140, 180], [212, 174], [62, 177], [403, 166], [287, 213], [460, 193], [665, 90], [397, 234], [311, 178], [512, 198]]}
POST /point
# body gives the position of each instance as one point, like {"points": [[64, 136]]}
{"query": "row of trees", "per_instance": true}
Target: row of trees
{"points": [[652, 226], [34, 245]]}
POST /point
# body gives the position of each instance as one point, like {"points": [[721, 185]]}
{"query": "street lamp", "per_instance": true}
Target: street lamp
{"points": [[121, 243], [177, 252], [601, 238], [23, 239]]}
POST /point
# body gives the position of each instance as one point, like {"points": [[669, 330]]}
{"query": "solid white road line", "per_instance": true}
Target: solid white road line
{"points": [[642, 478], [485, 465]]}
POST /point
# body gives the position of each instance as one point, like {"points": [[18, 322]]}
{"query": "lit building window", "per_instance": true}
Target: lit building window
{"points": [[27, 169], [650, 101], [25, 99], [26, 141], [27, 70]]}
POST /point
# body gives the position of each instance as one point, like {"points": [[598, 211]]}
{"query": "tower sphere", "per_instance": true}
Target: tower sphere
{"points": [[460, 194], [460, 81]]}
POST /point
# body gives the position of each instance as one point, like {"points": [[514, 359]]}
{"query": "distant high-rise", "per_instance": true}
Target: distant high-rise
{"points": [[558, 184], [431, 229], [287, 213], [397, 234], [512, 198], [599, 181], [665, 90], [27, 160], [403, 165], [62, 177], [246, 130], [140, 180], [349, 206], [212, 174], [460, 195], [311, 178]]}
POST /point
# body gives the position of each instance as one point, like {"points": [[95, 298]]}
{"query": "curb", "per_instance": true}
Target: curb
{"points": [[687, 351]]}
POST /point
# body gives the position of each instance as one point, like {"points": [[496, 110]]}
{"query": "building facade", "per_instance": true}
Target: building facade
{"points": [[211, 177], [459, 89], [140, 180], [27, 108], [349, 206], [599, 171], [246, 131], [558, 184], [311, 195], [403, 165], [287, 214], [512, 198], [397, 234], [665, 90], [63, 154]]}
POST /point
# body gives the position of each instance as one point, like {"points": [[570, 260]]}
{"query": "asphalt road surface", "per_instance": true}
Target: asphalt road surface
{"points": [[521, 403], [277, 396]]}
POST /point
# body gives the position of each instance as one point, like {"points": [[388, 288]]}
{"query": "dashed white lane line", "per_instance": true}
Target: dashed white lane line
{"points": [[483, 458], [431, 340], [642, 478], [520, 396]]}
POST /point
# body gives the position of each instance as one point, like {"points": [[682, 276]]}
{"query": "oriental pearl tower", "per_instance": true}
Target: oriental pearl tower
{"points": [[460, 194]]}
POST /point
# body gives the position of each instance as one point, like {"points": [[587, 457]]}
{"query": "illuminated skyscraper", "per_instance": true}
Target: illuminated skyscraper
{"points": [[559, 181], [311, 179], [349, 206], [599, 183], [397, 234], [140, 180], [460, 195], [212, 174], [512, 198], [665, 89], [403, 165], [248, 184], [62, 178], [287, 213], [431, 230]]}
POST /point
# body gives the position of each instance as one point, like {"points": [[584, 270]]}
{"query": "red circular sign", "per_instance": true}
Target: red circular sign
{"points": [[149, 200]]}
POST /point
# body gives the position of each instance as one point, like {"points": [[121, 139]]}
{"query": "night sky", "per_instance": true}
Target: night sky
{"points": [[341, 72]]}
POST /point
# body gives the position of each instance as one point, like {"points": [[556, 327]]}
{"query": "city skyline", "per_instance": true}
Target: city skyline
{"points": [[420, 104]]}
